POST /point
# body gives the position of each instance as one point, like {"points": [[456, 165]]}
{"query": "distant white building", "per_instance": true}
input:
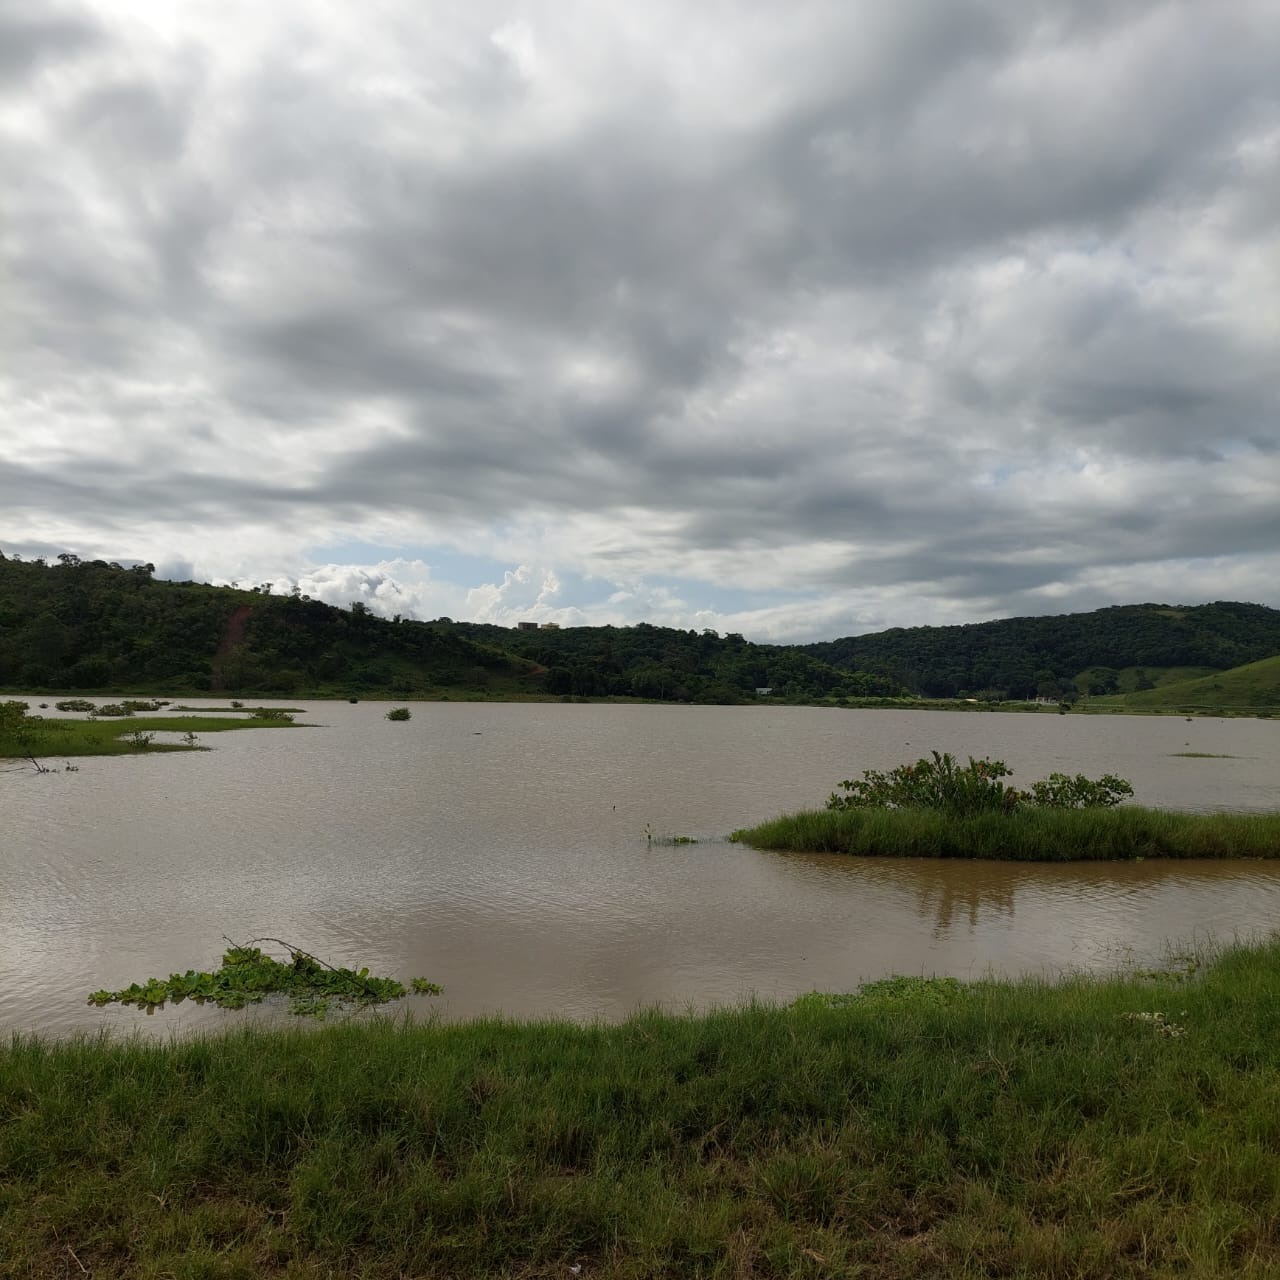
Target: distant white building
{"points": [[764, 693]]}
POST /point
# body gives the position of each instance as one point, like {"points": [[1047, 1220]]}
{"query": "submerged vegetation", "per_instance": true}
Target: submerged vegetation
{"points": [[936, 808], [36, 738], [1120, 1127], [247, 975]]}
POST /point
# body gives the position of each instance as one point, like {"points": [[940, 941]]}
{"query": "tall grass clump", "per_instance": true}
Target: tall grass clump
{"points": [[1030, 835], [1122, 1127]]}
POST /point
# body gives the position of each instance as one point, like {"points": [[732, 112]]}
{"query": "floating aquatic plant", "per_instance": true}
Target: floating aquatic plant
{"points": [[248, 974]]}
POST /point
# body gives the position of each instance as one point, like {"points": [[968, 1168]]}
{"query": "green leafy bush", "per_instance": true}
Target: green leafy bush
{"points": [[937, 783], [398, 713], [940, 782], [1063, 791]]}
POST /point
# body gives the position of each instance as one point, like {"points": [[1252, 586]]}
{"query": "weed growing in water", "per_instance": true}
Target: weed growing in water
{"points": [[651, 837], [248, 974], [901, 989]]}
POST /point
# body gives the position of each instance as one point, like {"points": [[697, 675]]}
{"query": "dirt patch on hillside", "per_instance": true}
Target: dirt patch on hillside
{"points": [[232, 635]]}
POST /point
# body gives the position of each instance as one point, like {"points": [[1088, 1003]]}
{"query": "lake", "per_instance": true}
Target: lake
{"points": [[500, 849]]}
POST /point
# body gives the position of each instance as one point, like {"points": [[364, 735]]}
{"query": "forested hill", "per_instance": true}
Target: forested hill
{"points": [[1021, 657], [644, 661], [90, 625], [93, 626]]}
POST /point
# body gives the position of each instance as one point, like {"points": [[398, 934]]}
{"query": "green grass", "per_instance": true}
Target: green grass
{"points": [[1124, 1127], [238, 711], [1127, 677], [73, 737], [1030, 835], [1255, 687]]}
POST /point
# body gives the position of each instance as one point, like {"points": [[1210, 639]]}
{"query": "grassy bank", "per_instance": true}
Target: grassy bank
{"points": [[63, 739], [1030, 834], [1126, 1127], [1253, 689]]}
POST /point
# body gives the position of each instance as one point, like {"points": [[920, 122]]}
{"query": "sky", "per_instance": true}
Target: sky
{"points": [[798, 321]]}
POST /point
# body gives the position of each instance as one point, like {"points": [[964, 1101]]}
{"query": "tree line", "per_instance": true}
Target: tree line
{"points": [[93, 625]]}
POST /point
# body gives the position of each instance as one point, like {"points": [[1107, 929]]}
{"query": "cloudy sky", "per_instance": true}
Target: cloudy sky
{"points": [[796, 320]]}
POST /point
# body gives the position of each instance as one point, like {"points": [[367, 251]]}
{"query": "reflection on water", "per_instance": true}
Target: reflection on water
{"points": [[968, 897], [500, 850]]}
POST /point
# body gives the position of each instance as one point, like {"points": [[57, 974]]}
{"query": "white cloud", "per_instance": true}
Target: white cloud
{"points": [[881, 314]]}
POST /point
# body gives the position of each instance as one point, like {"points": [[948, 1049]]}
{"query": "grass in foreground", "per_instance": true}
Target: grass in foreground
{"points": [[1126, 1127], [53, 739], [1030, 835]]}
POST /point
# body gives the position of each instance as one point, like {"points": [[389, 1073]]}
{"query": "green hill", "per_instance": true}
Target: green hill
{"points": [[93, 626], [1025, 657], [644, 661], [82, 626], [1253, 687]]}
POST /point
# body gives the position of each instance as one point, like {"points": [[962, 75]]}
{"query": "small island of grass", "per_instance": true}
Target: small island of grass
{"points": [[38, 738], [936, 808]]}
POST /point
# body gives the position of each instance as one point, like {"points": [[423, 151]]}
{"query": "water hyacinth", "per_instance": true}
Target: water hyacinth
{"points": [[247, 975]]}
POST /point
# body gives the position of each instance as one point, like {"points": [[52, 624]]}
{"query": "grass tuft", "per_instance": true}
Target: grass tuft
{"points": [[1027, 835]]}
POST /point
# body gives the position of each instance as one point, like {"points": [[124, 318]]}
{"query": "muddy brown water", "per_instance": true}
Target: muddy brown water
{"points": [[500, 849]]}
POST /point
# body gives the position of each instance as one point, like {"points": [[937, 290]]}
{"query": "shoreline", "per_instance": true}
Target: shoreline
{"points": [[921, 1126]]}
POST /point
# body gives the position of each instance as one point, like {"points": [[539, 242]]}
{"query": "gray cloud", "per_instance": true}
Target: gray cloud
{"points": [[29, 40], [932, 310]]}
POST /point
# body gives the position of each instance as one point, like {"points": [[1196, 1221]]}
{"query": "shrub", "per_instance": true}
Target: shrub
{"points": [[75, 704], [1061, 791], [398, 713], [941, 783], [937, 783]]}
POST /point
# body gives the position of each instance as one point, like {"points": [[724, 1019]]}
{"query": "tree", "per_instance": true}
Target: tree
{"points": [[19, 730]]}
